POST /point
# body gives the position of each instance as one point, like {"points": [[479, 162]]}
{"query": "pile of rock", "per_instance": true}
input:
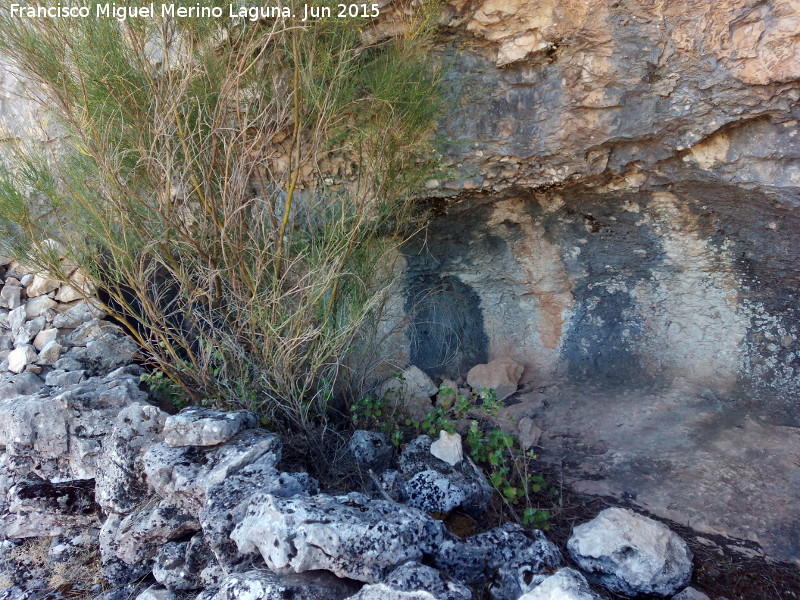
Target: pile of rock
{"points": [[194, 503], [413, 392], [51, 333]]}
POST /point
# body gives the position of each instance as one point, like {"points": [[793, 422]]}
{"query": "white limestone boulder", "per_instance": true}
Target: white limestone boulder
{"points": [[631, 554]]}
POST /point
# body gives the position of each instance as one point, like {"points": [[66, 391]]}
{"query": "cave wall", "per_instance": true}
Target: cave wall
{"points": [[619, 210], [695, 285], [621, 197]]}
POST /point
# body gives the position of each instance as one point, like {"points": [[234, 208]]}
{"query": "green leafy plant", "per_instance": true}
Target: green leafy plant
{"points": [[510, 470], [235, 188], [165, 389]]}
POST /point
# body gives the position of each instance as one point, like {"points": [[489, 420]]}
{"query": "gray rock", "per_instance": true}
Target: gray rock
{"points": [[198, 426], [409, 383], [61, 378], [24, 384], [263, 585], [35, 307], [110, 352], [155, 592], [227, 501], [433, 492], [16, 318], [20, 358], [184, 475], [114, 570], [49, 354], [39, 508], [371, 449], [80, 312], [10, 296], [143, 532], [565, 584], [690, 593], [409, 391], [120, 477], [435, 486], [501, 375], [186, 565], [525, 554], [631, 554], [391, 482], [413, 581], [67, 426], [67, 547], [30, 329], [351, 536], [44, 337], [40, 285], [69, 362], [448, 448]]}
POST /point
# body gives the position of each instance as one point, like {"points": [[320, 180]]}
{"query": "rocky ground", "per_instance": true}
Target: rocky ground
{"points": [[104, 495]]}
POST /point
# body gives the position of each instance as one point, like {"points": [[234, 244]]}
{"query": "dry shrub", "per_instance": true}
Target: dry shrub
{"points": [[231, 187]]}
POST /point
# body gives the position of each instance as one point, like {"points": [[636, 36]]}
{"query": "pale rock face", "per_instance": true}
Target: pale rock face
{"points": [[50, 353], [631, 554], [501, 375], [21, 357], [180, 474], [351, 536], [10, 296], [197, 426], [413, 581], [35, 307], [565, 584], [624, 184], [41, 285], [44, 337], [448, 448], [262, 584]]}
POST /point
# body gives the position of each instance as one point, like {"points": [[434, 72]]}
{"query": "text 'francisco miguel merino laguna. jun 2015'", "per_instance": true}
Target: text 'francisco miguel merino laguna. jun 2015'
{"points": [[122, 12]]}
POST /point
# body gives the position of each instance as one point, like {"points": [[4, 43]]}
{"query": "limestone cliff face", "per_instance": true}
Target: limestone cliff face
{"points": [[623, 194], [621, 215]]}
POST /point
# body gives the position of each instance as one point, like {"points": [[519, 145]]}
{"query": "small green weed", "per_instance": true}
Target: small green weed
{"points": [[165, 389], [510, 469]]}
